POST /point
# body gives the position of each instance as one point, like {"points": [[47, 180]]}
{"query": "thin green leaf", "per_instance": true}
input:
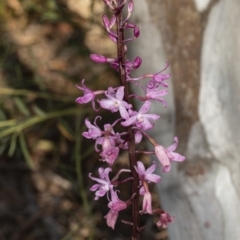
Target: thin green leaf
{"points": [[25, 151], [21, 106], [37, 119], [38, 110], [27, 93], [8, 123], [13, 145]]}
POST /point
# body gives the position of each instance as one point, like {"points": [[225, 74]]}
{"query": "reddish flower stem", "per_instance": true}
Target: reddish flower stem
{"points": [[131, 140]]}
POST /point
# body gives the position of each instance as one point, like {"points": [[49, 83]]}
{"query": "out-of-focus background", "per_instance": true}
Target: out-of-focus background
{"points": [[44, 161], [44, 164]]}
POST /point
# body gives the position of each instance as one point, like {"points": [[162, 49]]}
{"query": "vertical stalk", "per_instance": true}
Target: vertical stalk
{"points": [[131, 140]]}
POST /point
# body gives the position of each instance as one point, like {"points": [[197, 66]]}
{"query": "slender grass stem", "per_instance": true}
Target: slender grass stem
{"points": [[23, 92], [25, 151], [20, 126]]}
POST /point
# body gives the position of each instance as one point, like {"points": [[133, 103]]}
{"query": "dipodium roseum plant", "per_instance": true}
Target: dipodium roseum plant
{"points": [[136, 122]]}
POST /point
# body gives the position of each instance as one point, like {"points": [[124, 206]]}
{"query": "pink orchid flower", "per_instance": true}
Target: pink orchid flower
{"points": [[141, 119], [166, 155], [164, 220], [88, 95], [116, 103], [104, 184], [116, 205]]}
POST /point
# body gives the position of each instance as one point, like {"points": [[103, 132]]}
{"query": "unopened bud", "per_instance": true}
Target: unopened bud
{"points": [[105, 21], [130, 6], [136, 32], [137, 62], [98, 58]]}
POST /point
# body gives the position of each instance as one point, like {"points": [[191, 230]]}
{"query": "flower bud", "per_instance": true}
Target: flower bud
{"points": [[136, 32], [98, 58], [105, 21], [147, 203], [130, 6], [163, 158], [137, 62]]}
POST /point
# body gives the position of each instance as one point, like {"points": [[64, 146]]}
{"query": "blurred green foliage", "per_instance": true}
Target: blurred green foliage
{"points": [[33, 117], [43, 54]]}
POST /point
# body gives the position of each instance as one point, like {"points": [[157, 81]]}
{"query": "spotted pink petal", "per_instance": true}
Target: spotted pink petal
{"points": [[152, 116], [110, 155], [95, 187], [177, 157], [153, 178], [86, 98], [129, 121], [144, 124], [140, 169], [145, 107], [111, 218], [120, 93], [174, 145], [123, 112], [106, 103], [162, 157], [147, 203], [138, 137], [151, 169]]}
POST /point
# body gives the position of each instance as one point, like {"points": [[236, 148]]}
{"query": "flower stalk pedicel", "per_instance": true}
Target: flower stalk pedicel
{"points": [[136, 123]]}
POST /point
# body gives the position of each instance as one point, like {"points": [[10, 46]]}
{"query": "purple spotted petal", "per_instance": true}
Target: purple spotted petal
{"points": [[145, 107], [120, 93], [177, 157], [123, 112], [144, 124], [106, 103], [110, 155], [162, 157], [152, 116], [95, 187], [138, 137], [142, 191], [140, 169], [111, 218], [147, 203], [129, 121], [86, 98], [153, 178], [174, 145], [151, 169]]}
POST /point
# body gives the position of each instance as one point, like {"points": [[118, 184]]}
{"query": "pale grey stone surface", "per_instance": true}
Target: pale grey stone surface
{"points": [[204, 194], [202, 5], [219, 107]]}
